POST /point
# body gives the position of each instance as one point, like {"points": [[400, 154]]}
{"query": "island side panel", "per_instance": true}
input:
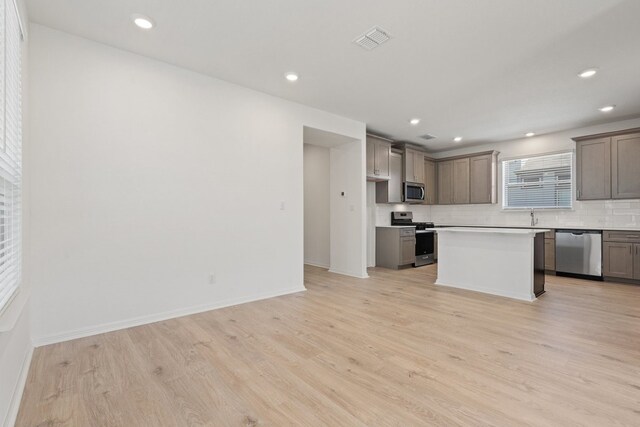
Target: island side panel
{"points": [[493, 263], [538, 265]]}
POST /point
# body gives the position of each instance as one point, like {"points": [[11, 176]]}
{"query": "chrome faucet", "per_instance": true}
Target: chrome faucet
{"points": [[534, 220]]}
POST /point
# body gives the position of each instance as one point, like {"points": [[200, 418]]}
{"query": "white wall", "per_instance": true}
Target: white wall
{"points": [[316, 205], [595, 214], [347, 186], [147, 177]]}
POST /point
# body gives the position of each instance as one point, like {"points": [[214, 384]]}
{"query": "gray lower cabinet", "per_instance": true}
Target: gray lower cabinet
{"points": [[621, 253], [636, 261], [625, 166], [461, 181], [407, 250], [395, 246], [549, 254], [435, 246], [618, 259]]}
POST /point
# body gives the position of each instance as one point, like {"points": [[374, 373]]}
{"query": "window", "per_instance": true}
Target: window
{"points": [[10, 151], [542, 182]]}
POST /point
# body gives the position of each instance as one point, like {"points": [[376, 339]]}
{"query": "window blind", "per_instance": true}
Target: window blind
{"points": [[10, 150], [542, 182]]}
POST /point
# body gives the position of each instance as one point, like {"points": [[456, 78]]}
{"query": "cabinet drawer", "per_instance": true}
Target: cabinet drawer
{"points": [[621, 236], [550, 234], [407, 232]]}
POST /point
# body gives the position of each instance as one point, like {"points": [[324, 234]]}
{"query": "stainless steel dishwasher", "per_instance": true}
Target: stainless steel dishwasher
{"points": [[579, 252]]}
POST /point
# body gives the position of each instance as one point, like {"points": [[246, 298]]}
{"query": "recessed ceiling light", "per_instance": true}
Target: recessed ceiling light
{"points": [[588, 73], [457, 139], [414, 121], [292, 77], [529, 134], [142, 21], [607, 108]]}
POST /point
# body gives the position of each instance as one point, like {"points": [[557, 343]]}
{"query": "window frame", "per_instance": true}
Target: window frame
{"points": [[503, 182], [11, 155]]}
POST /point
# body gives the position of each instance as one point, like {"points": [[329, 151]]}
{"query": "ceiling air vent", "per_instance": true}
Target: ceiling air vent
{"points": [[372, 38], [427, 136]]}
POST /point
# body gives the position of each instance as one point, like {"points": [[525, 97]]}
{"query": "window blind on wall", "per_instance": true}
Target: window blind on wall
{"points": [[10, 150], [538, 182]]}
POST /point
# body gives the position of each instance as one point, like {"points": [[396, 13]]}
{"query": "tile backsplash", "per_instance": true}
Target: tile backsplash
{"points": [[600, 214]]}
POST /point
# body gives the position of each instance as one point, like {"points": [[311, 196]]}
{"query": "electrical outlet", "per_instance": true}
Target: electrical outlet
{"points": [[212, 278]]}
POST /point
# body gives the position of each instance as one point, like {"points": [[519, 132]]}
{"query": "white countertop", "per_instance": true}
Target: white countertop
{"points": [[491, 230], [557, 227]]}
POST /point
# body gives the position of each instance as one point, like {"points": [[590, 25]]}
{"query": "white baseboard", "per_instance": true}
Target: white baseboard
{"points": [[529, 297], [143, 320], [317, 264], [18, 389], [347, 273]]}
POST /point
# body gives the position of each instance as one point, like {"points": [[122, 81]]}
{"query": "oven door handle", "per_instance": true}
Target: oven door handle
{"points": [[422, 189]]}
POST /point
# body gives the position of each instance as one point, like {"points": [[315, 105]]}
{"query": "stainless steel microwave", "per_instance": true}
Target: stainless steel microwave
{"points": [[413, 192]]}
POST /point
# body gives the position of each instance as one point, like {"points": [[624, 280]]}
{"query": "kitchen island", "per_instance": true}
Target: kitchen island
{"points": [[501, 261]]}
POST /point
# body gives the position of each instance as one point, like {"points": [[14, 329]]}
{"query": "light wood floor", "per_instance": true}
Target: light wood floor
{"points": [[394, 350]]}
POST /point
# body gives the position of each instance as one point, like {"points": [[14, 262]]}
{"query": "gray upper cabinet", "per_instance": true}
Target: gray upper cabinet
{"points": [[391, 191], [454, 180], [429, 182], [482, 182], [607, 165], [593, 169], [371, 157], [464, 180], [445, 182], [413, 166], [461, 181], [378, 153], [625, 166]]}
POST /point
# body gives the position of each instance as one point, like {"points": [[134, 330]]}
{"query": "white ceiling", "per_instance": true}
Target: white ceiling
{"points": [[486, 70]]}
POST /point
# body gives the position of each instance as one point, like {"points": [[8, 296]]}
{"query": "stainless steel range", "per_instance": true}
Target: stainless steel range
{"points": [[424, 237]]}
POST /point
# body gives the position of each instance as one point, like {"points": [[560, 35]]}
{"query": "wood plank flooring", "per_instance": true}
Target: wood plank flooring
{"points": [[393, 350]]}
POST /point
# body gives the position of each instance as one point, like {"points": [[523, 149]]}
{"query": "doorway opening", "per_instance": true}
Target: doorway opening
{"points": [[334, 202]]}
